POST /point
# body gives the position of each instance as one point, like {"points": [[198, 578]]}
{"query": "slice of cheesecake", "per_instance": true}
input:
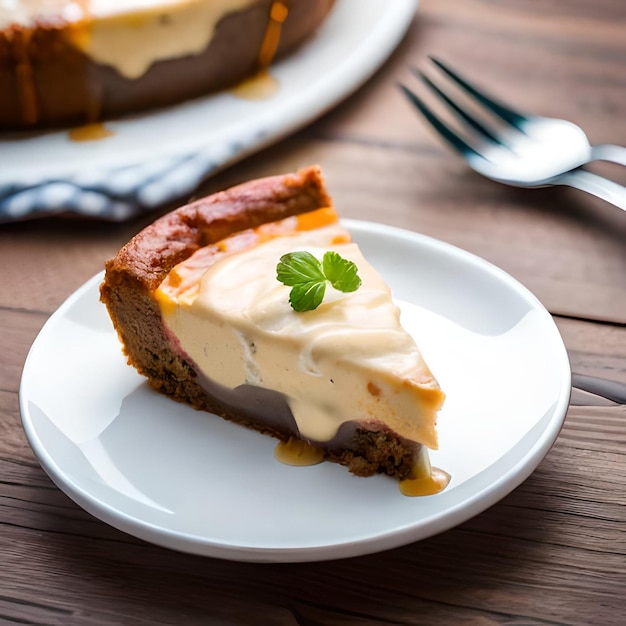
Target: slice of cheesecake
{"points": [[200, 312]]}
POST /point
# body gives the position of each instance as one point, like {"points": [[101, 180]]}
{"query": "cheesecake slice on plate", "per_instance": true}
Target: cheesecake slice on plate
{"points": [[255, 305]]}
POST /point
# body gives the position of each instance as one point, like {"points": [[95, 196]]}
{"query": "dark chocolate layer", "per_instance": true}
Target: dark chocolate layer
{"points": [[365, 444]]}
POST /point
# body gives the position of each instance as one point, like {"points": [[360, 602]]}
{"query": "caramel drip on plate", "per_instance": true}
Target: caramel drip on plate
{"points": [[263, 85], [298, 452], [428, 486], [90, 132], [258, 87], [425, 480]]}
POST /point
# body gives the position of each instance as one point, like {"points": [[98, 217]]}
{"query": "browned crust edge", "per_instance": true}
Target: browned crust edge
{"points": [[136, 271]]}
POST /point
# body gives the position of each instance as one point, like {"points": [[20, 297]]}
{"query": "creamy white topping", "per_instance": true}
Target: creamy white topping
{"points": [[349, 359], [129, 35]]}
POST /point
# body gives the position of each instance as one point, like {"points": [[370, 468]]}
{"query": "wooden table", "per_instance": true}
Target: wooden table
{"points": [[551, 552]]}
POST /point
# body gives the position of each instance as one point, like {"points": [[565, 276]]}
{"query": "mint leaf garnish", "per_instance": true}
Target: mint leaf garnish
{"points": [[307, 296], [342, 274], [296, 268], [307, 277]]}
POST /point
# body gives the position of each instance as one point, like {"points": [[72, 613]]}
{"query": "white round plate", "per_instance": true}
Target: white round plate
{"points": [[163, 155], [193, 482]]}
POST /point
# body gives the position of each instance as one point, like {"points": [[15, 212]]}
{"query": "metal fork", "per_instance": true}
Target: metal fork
{"points": [[515, 148]]}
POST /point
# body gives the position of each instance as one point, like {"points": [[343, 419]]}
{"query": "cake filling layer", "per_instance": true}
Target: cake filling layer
{"points": [[347, 361]]}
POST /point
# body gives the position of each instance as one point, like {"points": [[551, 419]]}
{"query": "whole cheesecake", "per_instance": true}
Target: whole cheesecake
{"points": [[200, 311], [72, 62]]}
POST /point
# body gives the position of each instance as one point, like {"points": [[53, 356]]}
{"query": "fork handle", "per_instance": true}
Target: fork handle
{"points": [[595, 185], [609, 389], [609, 152]]}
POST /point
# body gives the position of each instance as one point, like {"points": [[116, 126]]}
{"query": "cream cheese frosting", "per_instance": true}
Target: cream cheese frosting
{"points": [[349, 359], [129, 35]]}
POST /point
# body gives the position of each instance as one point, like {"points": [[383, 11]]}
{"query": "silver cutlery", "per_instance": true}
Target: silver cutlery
{"points": [[612, 390], [516, 148]]}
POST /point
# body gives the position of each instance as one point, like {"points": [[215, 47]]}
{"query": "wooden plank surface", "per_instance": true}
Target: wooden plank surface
{"points": [[551, 552]]}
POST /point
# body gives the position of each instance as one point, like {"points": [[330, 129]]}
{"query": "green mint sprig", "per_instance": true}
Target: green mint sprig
{"points": [[307, 277]]}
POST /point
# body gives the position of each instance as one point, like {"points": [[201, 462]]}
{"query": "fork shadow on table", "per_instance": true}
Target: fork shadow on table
{"points": [[563, 203]]}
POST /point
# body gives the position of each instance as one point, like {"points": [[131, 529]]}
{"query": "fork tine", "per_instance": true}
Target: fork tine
{"points": [[469, 119], [459, 144], [513, 117]]}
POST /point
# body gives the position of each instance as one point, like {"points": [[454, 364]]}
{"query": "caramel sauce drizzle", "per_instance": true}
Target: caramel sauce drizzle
{"points": [[298, 452], [24, 72], [25, 78], [278, 14], [80, 34], [90, 132], [262, 85], [426, 486], [425, 480]]}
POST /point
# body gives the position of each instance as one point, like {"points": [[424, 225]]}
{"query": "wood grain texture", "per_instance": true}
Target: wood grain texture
{"points": [[554, 550]]}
